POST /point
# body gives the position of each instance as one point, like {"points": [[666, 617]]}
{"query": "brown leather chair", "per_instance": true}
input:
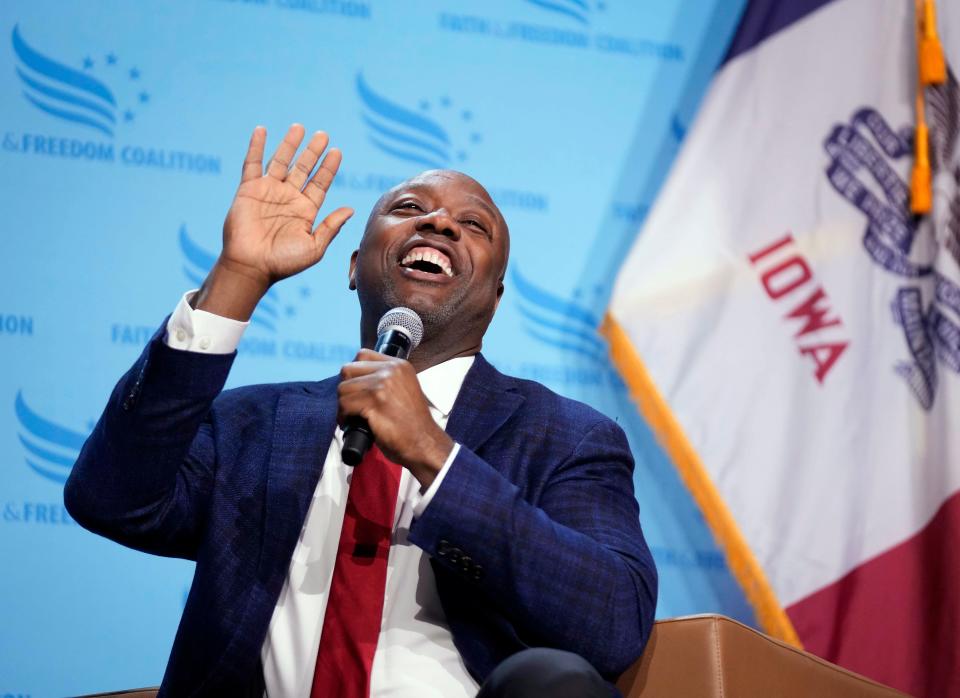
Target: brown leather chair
{"points": [[710, 655]]}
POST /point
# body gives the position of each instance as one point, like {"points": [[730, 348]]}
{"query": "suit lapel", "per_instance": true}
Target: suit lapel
{"points": [[302, 432], [486, 401]]}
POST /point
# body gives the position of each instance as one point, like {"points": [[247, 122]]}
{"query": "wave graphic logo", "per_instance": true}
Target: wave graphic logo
{"points": [[72, 95], [412, 136], [197, 264], [51, 449], [558, 322], [577, 10]]}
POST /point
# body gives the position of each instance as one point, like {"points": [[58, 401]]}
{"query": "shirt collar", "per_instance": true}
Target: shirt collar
{"points": [[441, 383]]}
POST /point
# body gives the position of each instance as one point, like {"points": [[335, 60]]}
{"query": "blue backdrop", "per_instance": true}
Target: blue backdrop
{"points": [[123, 128]]}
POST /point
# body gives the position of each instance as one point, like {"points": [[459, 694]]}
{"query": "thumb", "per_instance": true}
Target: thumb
{"points": [[328, 228]]}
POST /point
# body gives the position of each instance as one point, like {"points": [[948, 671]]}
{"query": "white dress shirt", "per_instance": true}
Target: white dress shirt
{"points": [[415, 654]]}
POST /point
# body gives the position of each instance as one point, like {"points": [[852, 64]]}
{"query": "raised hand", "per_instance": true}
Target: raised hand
{"points": [[269, 231]]}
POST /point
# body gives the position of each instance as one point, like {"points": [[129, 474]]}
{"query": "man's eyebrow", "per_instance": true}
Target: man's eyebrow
{"points": [[399, 191], [417, 186], [486, 206], [412, 186]]}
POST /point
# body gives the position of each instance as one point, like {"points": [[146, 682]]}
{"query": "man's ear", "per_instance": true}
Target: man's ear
{"points": [[499, 294], [353, 270]]}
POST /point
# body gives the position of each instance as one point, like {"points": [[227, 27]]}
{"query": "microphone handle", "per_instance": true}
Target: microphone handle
{"points": [[357, 435]]}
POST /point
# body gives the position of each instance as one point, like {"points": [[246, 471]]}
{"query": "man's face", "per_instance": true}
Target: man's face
{"points": [[438, 245]]}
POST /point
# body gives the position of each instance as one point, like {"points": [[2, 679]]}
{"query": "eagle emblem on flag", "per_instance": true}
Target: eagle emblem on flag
{"points": [[864, 157]]}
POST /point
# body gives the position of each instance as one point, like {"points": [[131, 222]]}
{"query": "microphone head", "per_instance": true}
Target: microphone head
{"points": [[404, 320]]}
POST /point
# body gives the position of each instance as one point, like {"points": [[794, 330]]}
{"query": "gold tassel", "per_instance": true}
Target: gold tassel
{"points": [[921, 184], [933, 67]]}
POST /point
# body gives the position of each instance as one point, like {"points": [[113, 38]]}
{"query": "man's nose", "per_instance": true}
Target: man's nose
{"points": [[439, 222]]}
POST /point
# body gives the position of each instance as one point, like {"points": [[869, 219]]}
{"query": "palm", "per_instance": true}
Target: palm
{"points": [[269, 228], [270, 224]]}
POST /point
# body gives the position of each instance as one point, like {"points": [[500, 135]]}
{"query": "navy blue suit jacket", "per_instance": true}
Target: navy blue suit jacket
{"points": [[533, 535]]}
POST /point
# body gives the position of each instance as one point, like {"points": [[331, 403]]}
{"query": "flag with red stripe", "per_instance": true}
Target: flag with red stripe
{"points": [[791, 328]]}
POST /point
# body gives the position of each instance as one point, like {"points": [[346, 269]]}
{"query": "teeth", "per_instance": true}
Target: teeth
{"points": [[427, 254]]}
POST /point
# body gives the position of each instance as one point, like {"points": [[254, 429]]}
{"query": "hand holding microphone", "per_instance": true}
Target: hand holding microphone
{"points": [[380, 398], [398, 333]]}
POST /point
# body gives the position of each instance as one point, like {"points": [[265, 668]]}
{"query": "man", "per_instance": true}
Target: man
{"points": [[505, 554]]}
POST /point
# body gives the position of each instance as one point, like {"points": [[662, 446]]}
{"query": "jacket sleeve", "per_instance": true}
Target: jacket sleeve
{"points": [[573, 570], [145, 474]]}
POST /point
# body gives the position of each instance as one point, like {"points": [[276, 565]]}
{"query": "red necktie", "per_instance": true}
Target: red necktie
{"points": [[351, 624]]}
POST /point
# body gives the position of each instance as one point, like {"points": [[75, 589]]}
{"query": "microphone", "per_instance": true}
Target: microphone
{"points": [[399, 333]]}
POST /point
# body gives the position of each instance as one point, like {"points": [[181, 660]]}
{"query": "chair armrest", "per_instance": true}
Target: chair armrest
{"points": [[712, 655]]}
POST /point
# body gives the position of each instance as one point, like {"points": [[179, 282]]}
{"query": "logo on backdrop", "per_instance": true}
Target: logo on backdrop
{"points": [[413, 136], [50, 450], [557, 322], [570, 25], [430, 133], [927, 306], [567, 326], [92, 97], [577, 10], [76, 96]]}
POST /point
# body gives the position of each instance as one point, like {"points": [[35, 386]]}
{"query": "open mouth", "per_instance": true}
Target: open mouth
{"points": [[428, 261]]}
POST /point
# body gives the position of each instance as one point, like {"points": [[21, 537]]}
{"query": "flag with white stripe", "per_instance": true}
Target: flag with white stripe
{"points": [[792, 332]]}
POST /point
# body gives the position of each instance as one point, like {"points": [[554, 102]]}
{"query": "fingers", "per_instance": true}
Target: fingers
{"points": [[377, 379], [253, 162], [280, 162], [350, 407], [361, 391], [316, 189], [366, 362], [280, 167], [308, 159], [358, 403], [329, 227], [370, 385], [370, 355]]}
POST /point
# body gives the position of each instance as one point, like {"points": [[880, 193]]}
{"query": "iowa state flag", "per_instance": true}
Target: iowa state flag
{"points": [[792, 332]]}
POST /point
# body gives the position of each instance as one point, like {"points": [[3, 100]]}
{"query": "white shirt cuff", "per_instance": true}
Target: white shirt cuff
{"points": [[427, 496], [200, 331]]}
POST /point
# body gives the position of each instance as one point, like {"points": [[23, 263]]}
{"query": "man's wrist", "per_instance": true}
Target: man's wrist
{"points": [[230, 291], [433, 454], [428, 493]]}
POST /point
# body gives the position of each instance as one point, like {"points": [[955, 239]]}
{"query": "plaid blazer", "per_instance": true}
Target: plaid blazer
{"points": [[534, 535]]}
